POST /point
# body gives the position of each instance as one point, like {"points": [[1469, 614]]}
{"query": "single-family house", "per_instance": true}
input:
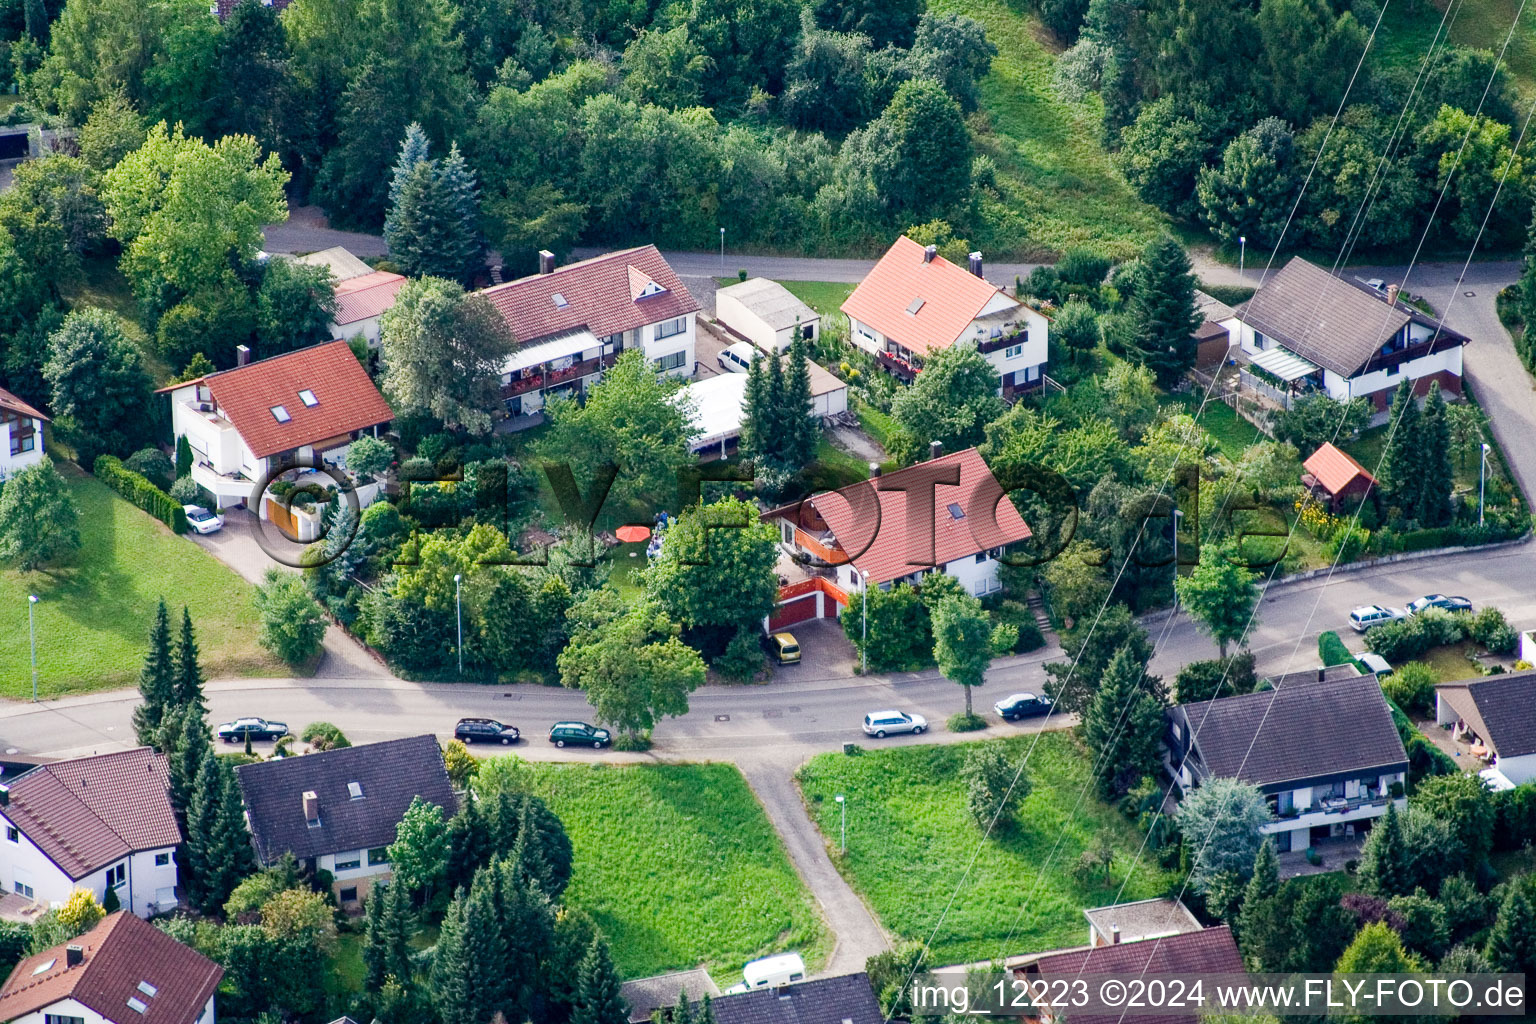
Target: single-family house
{"points": [[842, 999], [1324, 752], [97, 823], [122, 971], [644, 995], [1496, 716], [336, 810], [1140, 919], [1217, 332], [915, 302], [1201, 951], [361, 303], [309, 405], [1310, 331], [947, 515], [21, 434], [765, 313], [572, 322], [1333, 474]]}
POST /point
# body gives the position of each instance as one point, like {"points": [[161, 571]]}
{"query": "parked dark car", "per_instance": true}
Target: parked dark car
{"points": [[485, 730], [1022, 705], [1450, 604], [253, 728], [578, 734]]}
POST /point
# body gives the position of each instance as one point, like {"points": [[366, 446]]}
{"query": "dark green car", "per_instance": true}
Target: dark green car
{"points": [[578, 734]]}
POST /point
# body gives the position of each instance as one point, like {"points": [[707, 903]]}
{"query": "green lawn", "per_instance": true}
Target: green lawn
{"points": [[679, 866], [1407, 30], [911, 842], [1058, 185], [1451, 663], [1233, 434], [825, 297], [94, 613]]}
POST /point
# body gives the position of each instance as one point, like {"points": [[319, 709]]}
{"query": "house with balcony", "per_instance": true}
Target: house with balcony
{"points": [[21, 434], [572, 322], [915, 302], [947, 515], [96, 823], [336, 810], [1322, 749], [1307, 331], [122, 971], [301, 407], [1495, 717]]}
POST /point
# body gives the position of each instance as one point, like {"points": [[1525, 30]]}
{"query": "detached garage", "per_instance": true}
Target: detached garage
{"points": [[765, 313]]}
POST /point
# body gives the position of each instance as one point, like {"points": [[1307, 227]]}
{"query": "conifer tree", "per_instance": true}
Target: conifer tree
{"points": [[469, 843], [1512, 943], [706, 1011], [218, 847], [1123, 723], [1401, 467], [682, 1013], [1164, 311], [757, 424], [433, 227], [156, 681], [452, 978], [187, 674], [1384, 861], [598, 1000], [1437, 477], [799, 423], [529, 918], [387, 936], [486, 945], [185, 742], [1262, 887], [414, 149]]}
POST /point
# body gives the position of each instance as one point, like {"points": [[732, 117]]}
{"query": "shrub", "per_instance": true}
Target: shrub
{"points": [[459, 763], [324, 736], [291, 624], [963, 722], [369, 457], [1407, 639], [1347, 544], [1411, 687], [742, 659], [1489, 628], [1017, 614], [1332, 649], [185, 491], [994, 788], [138, 490], [1440, 627], [152, 464]]}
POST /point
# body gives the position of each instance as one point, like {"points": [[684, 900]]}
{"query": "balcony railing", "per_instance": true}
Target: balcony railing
{"points": [[997, 344], [551, 378], [897, 365]]}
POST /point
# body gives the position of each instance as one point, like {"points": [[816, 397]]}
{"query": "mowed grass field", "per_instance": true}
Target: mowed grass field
{"points": [[1408, 29], [680, 867], [911, 844], [94, 611]]}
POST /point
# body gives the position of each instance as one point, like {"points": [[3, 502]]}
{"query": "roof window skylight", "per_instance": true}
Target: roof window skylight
{"points": [[916, 305], [560, 302], [280, 413], [136, 1004], [308, 398]]}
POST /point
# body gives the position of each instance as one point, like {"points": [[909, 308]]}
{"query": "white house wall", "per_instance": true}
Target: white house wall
{"points": [[1413, 369], [23, 860], [368, 327], [1518, 770], [69, 1008], [830, 403], [15, 463], [659, 349]]}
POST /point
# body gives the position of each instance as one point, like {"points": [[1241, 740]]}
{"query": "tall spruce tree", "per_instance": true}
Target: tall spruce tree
{"points": [[218, 847], [486, 944], [529, 918], [415, 149], [1401, 466], [759, 426], [1262, 887], [1163, 310], [387, 937], [598, 1000], [1123, 723], [706, 1011], [1512, 943], [187, 674], [1385, 869], [156, 681], [184, 738], [800, 427], [453, 976], [469, 843], [1437, 477], [433, 227]]}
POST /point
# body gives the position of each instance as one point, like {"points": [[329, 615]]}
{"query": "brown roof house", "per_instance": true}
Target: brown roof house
{"points": [[1332, 473], [1319, 332], [361, 303], [123, 971], [915, 302], [305, 407], [1496, 716], [91, 823], [337, 810], [572, 322], [21, 434]]}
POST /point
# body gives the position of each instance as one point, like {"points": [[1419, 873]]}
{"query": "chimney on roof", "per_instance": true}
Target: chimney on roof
{"points": [[1322, 673], [1114, 935], [242, 354], [874, 470], [74, 955], [546, 262], [1392, 294], [311, 808], [5, 796], [974, 260], [929, 252], [935, 449]]}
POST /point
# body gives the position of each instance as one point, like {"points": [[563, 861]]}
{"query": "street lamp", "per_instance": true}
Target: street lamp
{"points": [[864, 612], [1242, 253], [722, 252], [31, 633], [458, 607], [842, 805], [1482, 480], [1177, 514]]}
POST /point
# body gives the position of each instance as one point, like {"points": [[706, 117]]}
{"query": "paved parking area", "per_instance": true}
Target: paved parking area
{"points": [[709, 340], [824, 652]]}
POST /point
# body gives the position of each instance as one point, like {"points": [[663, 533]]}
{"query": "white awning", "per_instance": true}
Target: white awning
{"points": [[719, 406], [1283, 364], [572, 343]]}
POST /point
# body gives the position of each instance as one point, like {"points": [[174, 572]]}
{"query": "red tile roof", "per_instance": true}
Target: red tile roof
{"points": [[1208, 951], [951, 298], [88, 813], [358, 298], [1334, 469], [11, 403], [601, 294], [893, 550], [346, 399], [124, 958]]}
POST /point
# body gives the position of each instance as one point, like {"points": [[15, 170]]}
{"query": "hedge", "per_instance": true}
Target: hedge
{"points": [[1332, 649], [109, 469]]}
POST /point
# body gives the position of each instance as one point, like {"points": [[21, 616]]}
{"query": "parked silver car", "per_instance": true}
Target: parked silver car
{"points": [[878, 723], [1368, 615]]}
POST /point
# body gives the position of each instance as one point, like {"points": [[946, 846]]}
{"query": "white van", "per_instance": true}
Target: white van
{"points": [[738, 358], [770, 972]]}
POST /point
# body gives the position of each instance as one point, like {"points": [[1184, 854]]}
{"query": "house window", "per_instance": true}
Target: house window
{"points": [[349, 865], [349, 894], [1013, 350], [117, 875], [23, 889], [378, 855], [981, 556], [11, 834], [162, 860], [668, 328], [1394, 370], [22, 442], [671, 362], [59, 1018]]}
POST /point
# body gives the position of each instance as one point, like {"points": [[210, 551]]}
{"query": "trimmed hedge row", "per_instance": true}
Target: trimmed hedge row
{"points": [[109, 469], [1332, 649]]}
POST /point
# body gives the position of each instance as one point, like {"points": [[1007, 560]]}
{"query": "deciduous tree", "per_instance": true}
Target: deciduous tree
{"points": [[961, 631], [295, 306], [39, 522], [291, 624], [995, 788], [98, 383], [1220, 822], [634, 670], [1221, 594], [716, 567], [418, 858], [951, 401], [443, 352]]}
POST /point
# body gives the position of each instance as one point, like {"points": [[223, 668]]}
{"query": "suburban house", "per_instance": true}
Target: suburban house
{"points": [[765, 313], [1310, 331], [22, 428], [1324, 752], [643, 995], [1217, 332], [1332, 474], [97, 823], [1496, 717], [309, 404], [336, 810], [915, 302], [843, 999], [1141, 919], [1200, 951], [361, 302], [836, 542], [123, 971], [572, 322]]}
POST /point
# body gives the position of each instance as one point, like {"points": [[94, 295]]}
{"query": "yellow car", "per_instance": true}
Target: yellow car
{"points": [[784, 647]]}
